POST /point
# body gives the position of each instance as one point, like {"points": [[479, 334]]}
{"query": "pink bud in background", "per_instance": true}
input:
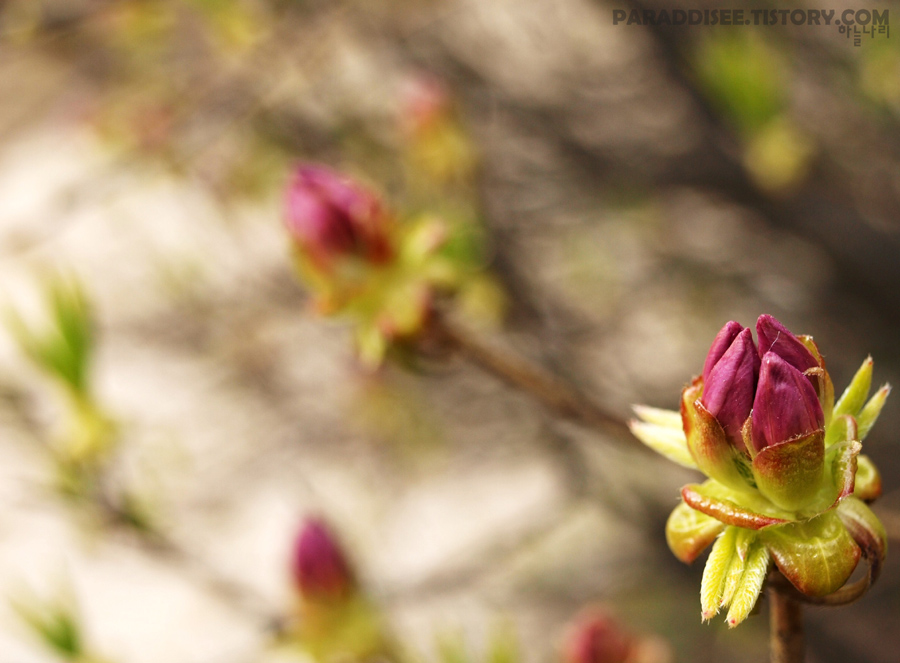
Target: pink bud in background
{"points": [[425, 103], [597, 638], [730, 380], [331, 216], [786, 405], [320, 569], [775, 337]]}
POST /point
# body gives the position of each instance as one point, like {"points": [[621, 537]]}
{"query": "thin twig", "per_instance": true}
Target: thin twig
{"points": [[552, 391], [786, 627]]}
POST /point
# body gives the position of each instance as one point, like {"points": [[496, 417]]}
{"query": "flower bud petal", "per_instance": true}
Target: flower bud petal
{"points": [[729, 389], [775, 337], [720, 345], [320, 570], [785, 406]]}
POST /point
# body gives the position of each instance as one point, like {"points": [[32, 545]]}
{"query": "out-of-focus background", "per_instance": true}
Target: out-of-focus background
{"points": [[637, 187]]}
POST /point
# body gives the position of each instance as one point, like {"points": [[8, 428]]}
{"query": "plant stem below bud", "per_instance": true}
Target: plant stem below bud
{"points": [[786, 627], [555, 393]]}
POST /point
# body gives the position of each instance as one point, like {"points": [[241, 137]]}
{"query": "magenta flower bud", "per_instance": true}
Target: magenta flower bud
{"points": [[597, 638], [720, 345], [775, 337], [731, 383], [786, 405], [330, 216], [320, 570]]}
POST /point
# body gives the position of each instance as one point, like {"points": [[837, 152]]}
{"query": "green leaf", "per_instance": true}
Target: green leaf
{"points": [[666, 441], [689, 532], [748, 510], [868, 480], [750, 585], [841, 429], [869, 414], [708, 445], [715, 572], [660, 417], [790, 474], [817, 556], [854, 396]]}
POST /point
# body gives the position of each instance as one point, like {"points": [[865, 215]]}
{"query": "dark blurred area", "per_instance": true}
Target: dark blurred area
{"points": [[638, 186]]}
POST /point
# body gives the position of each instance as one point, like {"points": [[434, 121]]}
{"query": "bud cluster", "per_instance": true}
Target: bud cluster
{"points": [[784, 467], [359, 260]]}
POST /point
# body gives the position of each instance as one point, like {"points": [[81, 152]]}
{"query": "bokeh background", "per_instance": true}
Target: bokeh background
{"points": [[634, 188]]}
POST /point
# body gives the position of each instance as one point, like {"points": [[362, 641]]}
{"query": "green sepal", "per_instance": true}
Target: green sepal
{"points": [[824, 385], [869, 414], [866, 530], [854, 396], [689, 532], [817, 556], [747, 510], [756, 568], [790, 473], [708, 445], [868, 480]]}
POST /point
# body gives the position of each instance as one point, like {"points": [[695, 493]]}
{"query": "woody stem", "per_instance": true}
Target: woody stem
{"points": [[555, 393], [786, 627]]}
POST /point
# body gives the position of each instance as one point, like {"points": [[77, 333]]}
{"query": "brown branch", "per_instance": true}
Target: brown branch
{"points": [[556, 394], [786, 627]]}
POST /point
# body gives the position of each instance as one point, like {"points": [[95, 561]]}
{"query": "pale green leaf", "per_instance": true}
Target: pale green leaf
{"points": [[854, 396]]}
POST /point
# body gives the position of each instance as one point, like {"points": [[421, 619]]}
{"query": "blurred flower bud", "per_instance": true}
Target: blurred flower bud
{"points": [[786, 405], [730, 380], [426, 103], [597, 638], [330, 216], [320, 570], [775, 337]]}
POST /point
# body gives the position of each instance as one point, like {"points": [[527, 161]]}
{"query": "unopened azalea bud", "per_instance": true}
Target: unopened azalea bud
{"points": [[331, 216], [720, 345], [730, 383], [320, 570], [775, 337], [597, 638], [786, 405]]}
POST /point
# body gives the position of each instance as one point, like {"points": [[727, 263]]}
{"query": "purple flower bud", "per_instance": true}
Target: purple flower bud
{"points": [[329, 215], [597, 638], [775, 337], [786, 405], [720, 344], [731, 382], [320, 570]]}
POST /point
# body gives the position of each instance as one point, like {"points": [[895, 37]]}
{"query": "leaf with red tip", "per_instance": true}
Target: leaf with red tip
{"points": [[719, 502], [868, 480], [708, 445], [866, 530], [689, 532], [824, 385], [790, 474], [817, 556]]}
